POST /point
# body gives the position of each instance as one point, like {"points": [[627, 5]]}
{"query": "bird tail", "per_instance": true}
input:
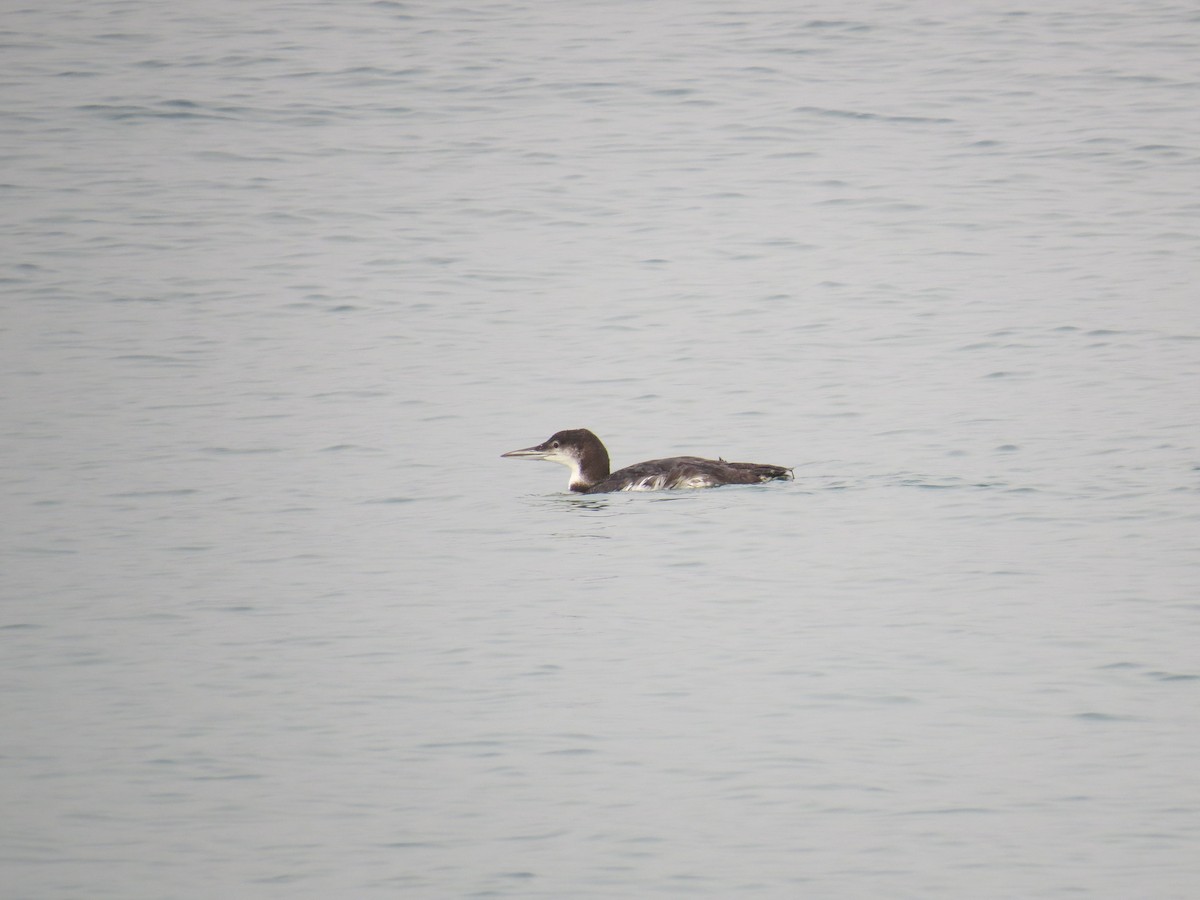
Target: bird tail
{"points": [[763, 472]]}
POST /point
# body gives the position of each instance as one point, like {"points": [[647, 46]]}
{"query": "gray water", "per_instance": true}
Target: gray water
{"points": [[281, 280]]}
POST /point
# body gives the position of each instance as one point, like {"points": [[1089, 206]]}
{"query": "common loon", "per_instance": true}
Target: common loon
{"points": [[583, 453]]}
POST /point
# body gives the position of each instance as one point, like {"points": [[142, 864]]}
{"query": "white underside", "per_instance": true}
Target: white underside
{"points": [[659, 483]]}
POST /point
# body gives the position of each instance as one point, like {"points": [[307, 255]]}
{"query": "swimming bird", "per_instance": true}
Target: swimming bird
{"points": [[584, 454]]}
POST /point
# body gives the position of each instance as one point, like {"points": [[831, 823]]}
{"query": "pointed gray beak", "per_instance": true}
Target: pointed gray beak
{"points": [[538, 452]]}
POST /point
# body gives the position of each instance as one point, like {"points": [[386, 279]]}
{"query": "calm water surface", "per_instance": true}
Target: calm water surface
{"points": [[281, 280]]}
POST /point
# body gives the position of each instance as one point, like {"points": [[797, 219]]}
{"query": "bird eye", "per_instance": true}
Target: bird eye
{"points": [[554, 445]]}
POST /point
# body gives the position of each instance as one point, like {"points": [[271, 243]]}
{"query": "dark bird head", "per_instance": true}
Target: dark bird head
{"points": [[577, 449]]}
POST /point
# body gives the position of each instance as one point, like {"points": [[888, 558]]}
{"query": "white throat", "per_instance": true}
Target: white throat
{"points": [[572, 463]]}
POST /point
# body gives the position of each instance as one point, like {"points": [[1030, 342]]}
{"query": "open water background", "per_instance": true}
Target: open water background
{"points": [[281, 280]]}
